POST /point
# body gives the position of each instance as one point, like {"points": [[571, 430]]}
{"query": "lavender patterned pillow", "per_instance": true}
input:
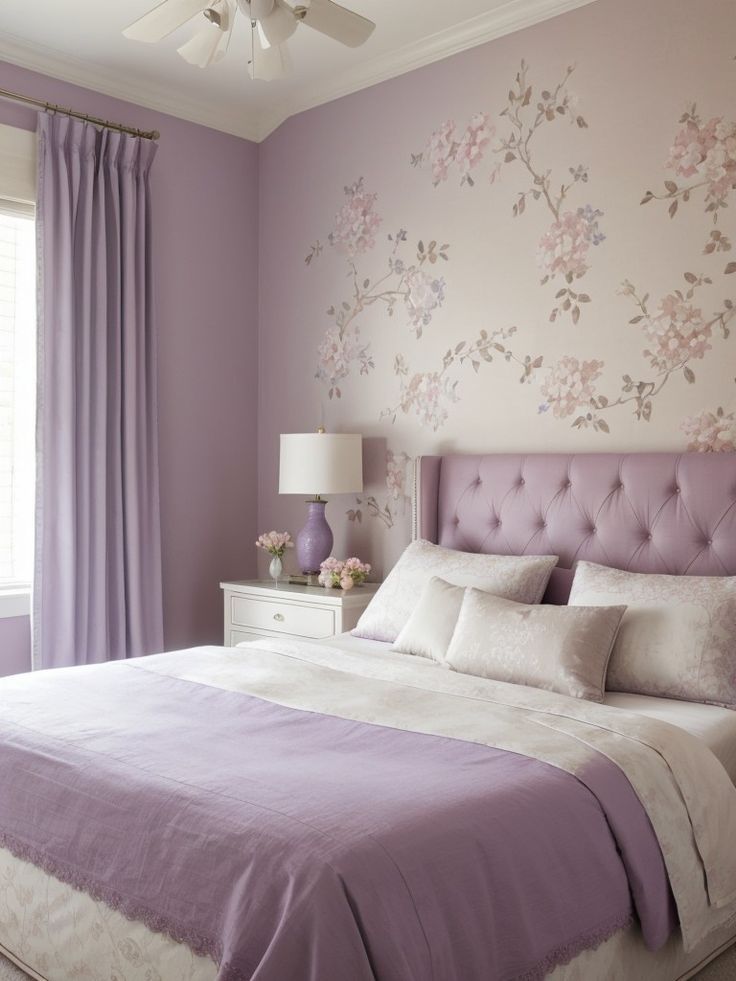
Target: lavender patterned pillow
{"points": [[677, 637], [518, 577]]}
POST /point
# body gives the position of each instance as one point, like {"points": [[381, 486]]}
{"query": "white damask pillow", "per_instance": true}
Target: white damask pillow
{"points": [[557, 648], [518, 577], [429, 629], [678, 637]]}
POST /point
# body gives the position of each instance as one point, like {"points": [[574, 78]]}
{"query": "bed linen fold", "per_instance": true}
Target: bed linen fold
{"points": [[333, 813]]}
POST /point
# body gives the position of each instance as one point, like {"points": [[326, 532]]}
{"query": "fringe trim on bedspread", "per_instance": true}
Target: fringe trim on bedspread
{"points": [[131, 909], [566, 952]]}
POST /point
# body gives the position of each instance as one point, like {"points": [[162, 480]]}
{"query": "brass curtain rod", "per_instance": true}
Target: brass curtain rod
{"points": [[50, 107]]}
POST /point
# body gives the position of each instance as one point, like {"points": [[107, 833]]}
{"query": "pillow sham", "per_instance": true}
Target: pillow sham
{"points": [[429, 629], [519, 577], [678, 637], [558, 648]]}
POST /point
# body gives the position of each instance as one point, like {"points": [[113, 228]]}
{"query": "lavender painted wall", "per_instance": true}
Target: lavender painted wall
{"points": [[15, 645], [205, 186], [425, 281]]}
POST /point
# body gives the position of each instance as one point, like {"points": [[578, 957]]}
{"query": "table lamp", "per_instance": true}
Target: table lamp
{"points": [[316, 464]]}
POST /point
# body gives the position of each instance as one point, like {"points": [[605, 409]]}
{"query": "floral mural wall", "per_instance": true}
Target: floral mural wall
{"points": [[525, 247]]}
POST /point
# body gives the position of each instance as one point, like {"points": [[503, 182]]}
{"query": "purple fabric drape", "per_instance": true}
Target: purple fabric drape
{"points": [[97, 588]]}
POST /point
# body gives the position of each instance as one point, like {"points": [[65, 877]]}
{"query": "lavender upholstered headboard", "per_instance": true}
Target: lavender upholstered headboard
{"points": [[645, 512]]}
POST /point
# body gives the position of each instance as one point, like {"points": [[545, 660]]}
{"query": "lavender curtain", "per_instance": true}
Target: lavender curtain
{"points": [[97, 589]]}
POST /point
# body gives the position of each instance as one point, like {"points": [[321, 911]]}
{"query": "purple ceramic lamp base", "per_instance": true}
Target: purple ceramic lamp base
{"points": [[314, 541]]}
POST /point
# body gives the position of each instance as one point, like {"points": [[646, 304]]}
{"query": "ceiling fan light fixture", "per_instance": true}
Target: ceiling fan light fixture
{"points": [[272, 23]]}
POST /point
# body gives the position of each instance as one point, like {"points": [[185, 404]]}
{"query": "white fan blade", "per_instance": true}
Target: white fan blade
{"points": [[211, 43], [337, 22], [268, 63], [164, 19], [279, 25]]}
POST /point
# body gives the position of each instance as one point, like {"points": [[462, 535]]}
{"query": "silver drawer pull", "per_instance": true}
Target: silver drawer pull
{"points": [[279, 617]]}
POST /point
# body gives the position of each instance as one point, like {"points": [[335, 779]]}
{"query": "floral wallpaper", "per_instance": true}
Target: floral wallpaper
{"points": [[530, 249]]}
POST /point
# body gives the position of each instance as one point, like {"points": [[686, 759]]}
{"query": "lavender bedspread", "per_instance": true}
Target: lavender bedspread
{"points": [[294, 846]]}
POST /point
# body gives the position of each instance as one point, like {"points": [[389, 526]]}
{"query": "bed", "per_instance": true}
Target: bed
{"points": [[393, 755]]}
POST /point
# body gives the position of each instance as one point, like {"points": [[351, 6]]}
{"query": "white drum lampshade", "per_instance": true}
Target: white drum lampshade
{"points": [[316, 464]]}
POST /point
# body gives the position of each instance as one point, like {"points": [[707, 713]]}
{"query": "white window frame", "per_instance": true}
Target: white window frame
{"points": [[17, 183]]}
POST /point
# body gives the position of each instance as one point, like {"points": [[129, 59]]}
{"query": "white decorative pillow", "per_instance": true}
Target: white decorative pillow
{"points": [[518, 577], [558, 648], [678, 637], [429, 629]]}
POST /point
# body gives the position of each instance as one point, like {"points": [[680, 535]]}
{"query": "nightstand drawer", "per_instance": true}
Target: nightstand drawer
{"points": [[282, 617]]}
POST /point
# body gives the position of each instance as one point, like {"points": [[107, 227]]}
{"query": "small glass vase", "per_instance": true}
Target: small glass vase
{"points": [[275, 570]]}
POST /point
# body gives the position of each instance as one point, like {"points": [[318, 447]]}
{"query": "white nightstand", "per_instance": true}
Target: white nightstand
{"points": [[256, 608]]}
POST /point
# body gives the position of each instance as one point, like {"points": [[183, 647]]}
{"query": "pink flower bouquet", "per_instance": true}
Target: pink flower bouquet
{"points": [[335, 573], [275, 542]]}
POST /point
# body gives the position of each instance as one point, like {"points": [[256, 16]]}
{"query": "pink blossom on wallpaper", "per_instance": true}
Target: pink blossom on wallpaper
{"points": [[356, 223], [336, 353], [473, 142], [424, 293], [704, 155], [706, 150], [396, 474], [563, 249], [445, 149], [427, 394], [691, 147], [710, 432], [441, 151], [569, 385], [678, 333]]}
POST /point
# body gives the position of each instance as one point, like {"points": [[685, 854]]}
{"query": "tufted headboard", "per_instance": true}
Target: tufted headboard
{"points": [[645, 512]]}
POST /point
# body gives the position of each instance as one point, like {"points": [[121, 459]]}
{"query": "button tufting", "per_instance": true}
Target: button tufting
{"points": [[649, 537], [521, 482], [677, 490], [709, 542]]}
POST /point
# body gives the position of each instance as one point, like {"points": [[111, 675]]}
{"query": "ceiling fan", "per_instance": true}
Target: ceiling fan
{"points": [[272, 23]]}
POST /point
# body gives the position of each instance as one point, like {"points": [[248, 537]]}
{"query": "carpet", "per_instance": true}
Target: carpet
{"points": [[723, 968]]}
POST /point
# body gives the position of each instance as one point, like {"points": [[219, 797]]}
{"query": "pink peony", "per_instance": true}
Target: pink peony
{"points": [[275, 542]]}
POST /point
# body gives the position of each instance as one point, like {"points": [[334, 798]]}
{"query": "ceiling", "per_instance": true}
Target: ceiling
{"points": [[80, 41]]}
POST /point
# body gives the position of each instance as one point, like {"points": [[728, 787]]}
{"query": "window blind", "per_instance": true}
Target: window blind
{"points": [[17, 390]]}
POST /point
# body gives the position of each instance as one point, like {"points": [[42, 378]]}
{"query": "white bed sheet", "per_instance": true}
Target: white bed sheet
{"points": [[715, 726]]}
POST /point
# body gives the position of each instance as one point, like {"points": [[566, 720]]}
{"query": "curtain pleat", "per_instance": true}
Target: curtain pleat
{"points": [[97, 585]]}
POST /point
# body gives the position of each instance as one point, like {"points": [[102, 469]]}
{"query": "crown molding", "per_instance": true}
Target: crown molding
{"points": [[514, 15], [505, 19], [67, 68]]}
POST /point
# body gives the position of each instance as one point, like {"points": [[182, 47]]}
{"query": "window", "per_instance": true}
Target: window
{"points": [[17, 367], [17, 393]]}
